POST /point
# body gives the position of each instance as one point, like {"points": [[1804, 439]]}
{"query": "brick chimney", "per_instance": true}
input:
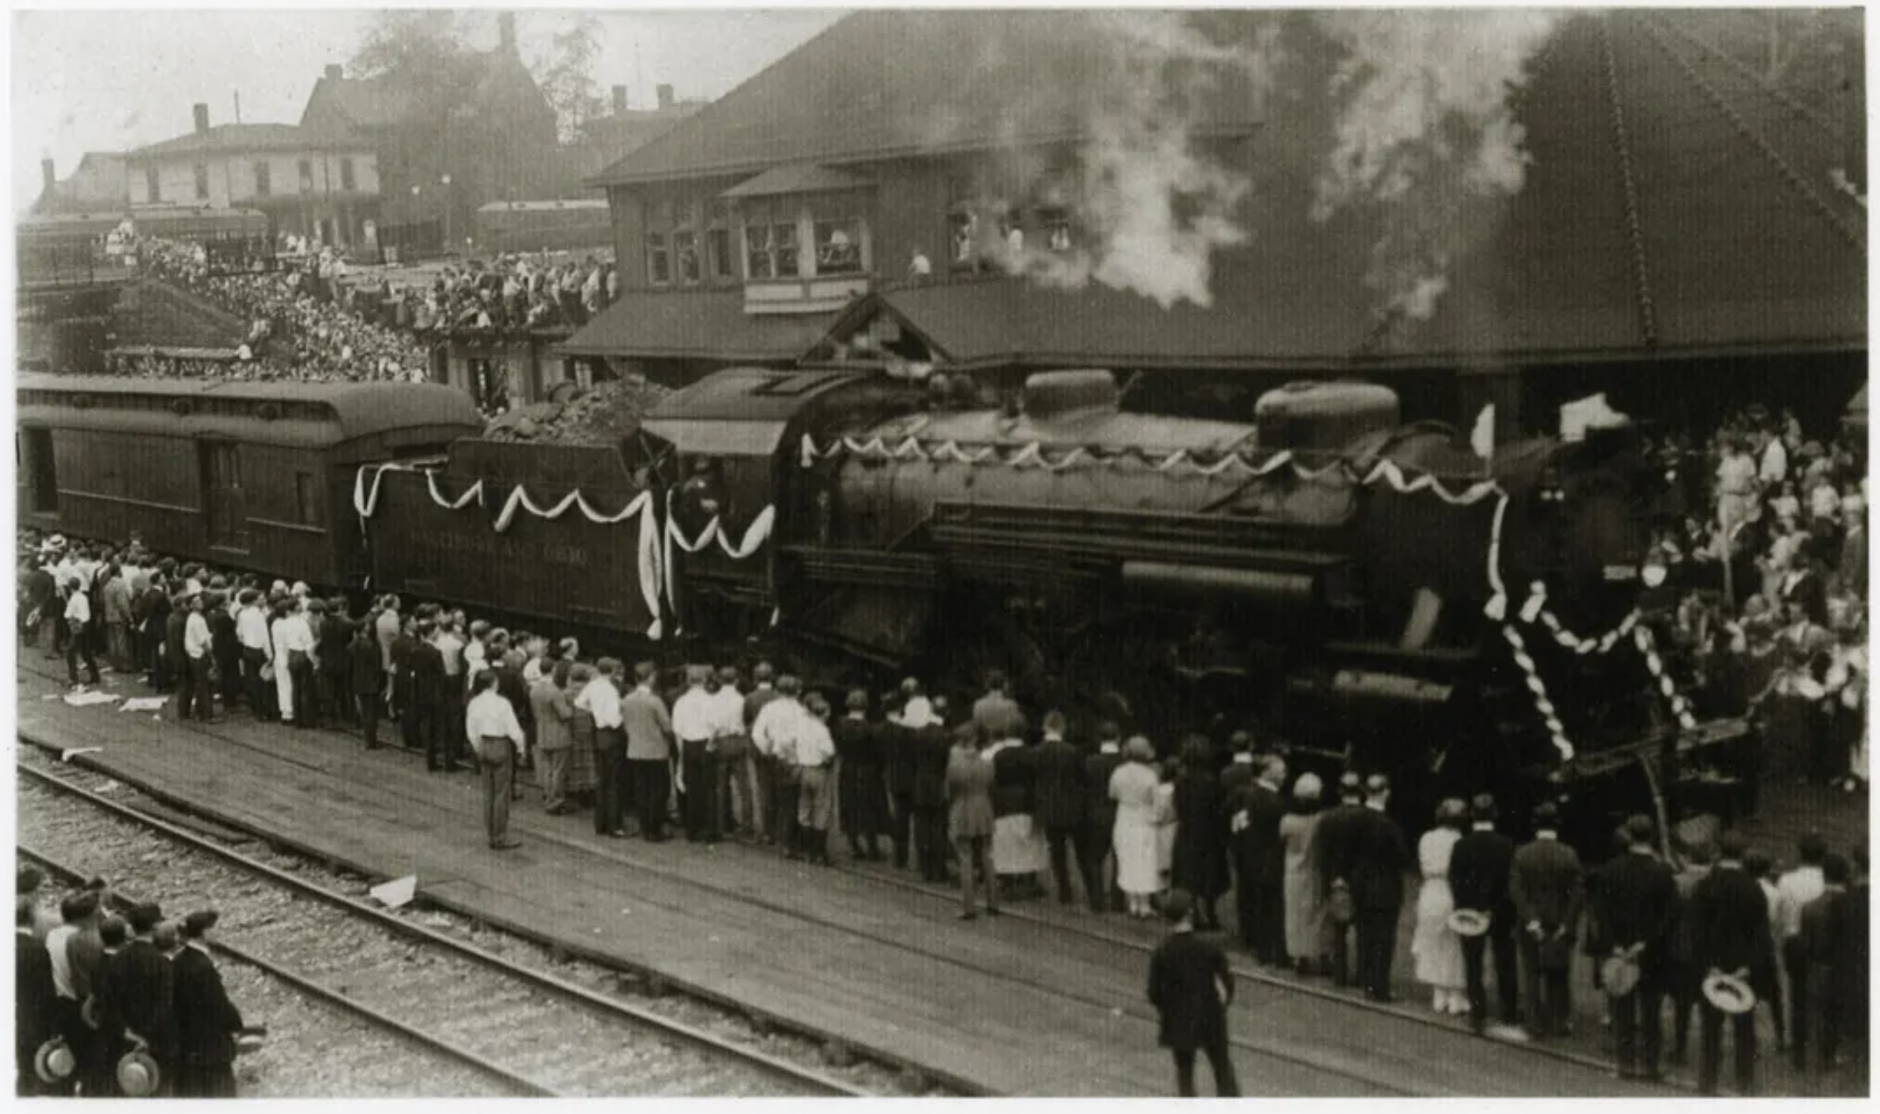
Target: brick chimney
{"points": [[506, 32], [202, 119], [46, 177], [665, 96], [334, 71], [620, 100]]}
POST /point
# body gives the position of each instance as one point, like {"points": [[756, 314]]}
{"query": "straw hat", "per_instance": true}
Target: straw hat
{"points": [[1729, 993], [1468, 922]]}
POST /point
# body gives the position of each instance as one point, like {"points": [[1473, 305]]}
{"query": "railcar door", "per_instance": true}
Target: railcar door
{"points": [[224, 509]]}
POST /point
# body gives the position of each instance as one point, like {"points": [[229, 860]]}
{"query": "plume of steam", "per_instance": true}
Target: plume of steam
{"points": [[1152, 203], [1424, 130]]}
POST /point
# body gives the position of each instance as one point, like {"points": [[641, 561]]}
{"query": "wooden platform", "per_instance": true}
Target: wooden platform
{"points": [[1017, 1005]]}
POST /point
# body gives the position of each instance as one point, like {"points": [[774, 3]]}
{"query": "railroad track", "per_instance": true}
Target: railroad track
{"points": [[528, 1031]]}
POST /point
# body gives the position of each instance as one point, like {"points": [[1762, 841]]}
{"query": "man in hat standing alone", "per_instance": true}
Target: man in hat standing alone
{"points": [[1478, 874], [1635, 904], [1730, 935], [1547, 885], [1190, 986], [206, 1021]]}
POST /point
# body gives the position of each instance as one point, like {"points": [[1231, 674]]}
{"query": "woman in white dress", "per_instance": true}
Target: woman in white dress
{"points": [[1132, 787], [1305, 927], [1435, 946]]}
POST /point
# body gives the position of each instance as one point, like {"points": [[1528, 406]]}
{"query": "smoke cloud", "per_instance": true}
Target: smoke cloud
{"points": [[1421, 130], [1424, 130]]}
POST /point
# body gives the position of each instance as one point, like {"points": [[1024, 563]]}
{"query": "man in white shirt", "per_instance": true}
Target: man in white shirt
{"points": [[695, 724], [491, 724], [293, 658], [1794, 890], [815, 754], [195, 696], [601, 700], [387, 627], [737, 780], [774, 734], [251, 630], [78, 631]]}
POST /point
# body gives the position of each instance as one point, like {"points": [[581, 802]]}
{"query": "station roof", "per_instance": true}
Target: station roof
{"points": [[233, 139]]}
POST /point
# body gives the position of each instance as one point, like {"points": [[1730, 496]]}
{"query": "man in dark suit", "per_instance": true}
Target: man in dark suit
{"points": [[897, 751], [366, 662], [1058, 799], [1547, 886], [143, 993], [335, 652], [1095, 838], [1253, 815], [1379, 855], [1832, 958], [176, 659], [1635, 905], [35, 1001], [1333, 852], [225, 646], [425, 665], [1242, 767], [925, 725], [405, 685], [206, 1021], [1478, 875], [1730, 933], [1190, 986]]}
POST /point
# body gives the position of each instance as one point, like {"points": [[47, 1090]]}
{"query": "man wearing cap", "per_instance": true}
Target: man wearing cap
{"points": [[1253, 815], [601, 701], [430, 703], [925, 722], [206, 1021], [761, 770], [144, 992], [195, 697], [1730, 934], [36, 1014], [251, 628], [490, 722], [1332, 848], [898, 758], [814, 752], [554, 740], [696, 729], [1191, 986], [366, 674], [1095, 843], [77, 631], [736, 781], [774, 733], [225, 647], [1547, 885], [1478, 875], [1635, 905], [648, 728]]}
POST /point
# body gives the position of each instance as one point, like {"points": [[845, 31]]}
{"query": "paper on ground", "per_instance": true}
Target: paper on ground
{"points": [[144, 703], [397, 892], [80, 699]]}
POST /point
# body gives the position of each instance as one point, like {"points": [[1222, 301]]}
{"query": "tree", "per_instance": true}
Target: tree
{"points": [[423, 49], [566, 75]]}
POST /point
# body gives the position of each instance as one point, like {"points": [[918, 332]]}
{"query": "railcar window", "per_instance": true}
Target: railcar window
{"points": [[306, 500], [718, 242], [42, 471]]}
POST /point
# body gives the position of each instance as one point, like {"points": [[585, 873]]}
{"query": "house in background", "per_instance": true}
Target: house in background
{"points": [[314, 182], [444, 153], [96, 185]]}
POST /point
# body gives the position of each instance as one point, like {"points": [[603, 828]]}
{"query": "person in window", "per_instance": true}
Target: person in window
{"points": [[919, 268]]}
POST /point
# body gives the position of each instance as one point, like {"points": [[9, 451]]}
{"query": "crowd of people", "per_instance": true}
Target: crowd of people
{"points": [[315, 318], [1765, 590], [113, 999]]}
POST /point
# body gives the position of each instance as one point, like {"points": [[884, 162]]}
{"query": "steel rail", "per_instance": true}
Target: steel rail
{"points": [[815, 1081], [317, 990]]}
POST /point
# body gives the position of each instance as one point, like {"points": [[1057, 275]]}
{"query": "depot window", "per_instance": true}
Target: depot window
{"points": [[838, 246], [770, 250], [685, 256], [718, 246], [264, 184], [202, 181], [658, 260]]}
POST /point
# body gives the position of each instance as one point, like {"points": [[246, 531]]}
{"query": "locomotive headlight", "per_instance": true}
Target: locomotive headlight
{"points": [[1653, 574]]}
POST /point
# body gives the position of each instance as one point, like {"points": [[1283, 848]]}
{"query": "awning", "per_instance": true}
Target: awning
{"points": [[798, 177], [695, 324]]}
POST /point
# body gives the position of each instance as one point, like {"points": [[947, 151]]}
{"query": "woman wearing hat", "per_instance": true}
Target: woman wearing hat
{"points": [[1434, 945], [1305, 928], [1133, 788]]}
